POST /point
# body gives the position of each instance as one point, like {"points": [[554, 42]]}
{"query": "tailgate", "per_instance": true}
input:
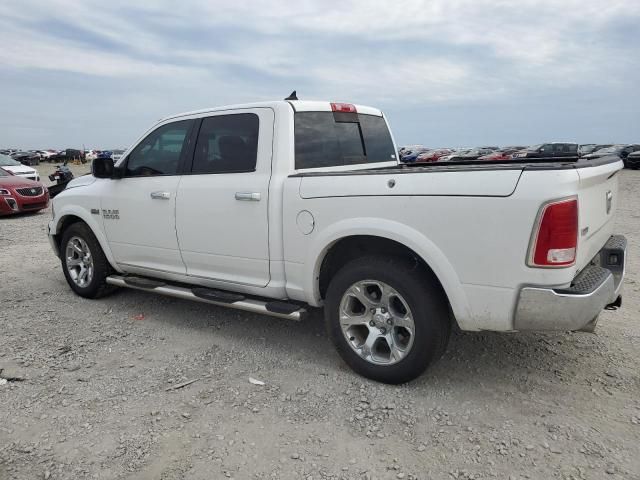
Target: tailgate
{"points": [[598, 199]]}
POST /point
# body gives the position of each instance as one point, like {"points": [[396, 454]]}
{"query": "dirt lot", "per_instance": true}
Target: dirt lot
{"points": [[96, 400]]}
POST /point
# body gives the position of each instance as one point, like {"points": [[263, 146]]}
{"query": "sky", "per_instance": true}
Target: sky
{"points": [[445, 72]]}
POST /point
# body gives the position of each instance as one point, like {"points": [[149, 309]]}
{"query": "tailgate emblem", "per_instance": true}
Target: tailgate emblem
{"points": [[609, 201]]}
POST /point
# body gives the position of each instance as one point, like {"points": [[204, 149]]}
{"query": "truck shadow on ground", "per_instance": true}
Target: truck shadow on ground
{"points": [[471, 358]]}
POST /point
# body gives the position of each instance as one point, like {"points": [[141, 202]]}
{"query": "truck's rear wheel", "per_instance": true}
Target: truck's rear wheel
{"points": [[388, 320], [83, 262]]}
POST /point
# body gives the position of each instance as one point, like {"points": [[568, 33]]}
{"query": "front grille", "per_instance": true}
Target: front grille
{"points": [[34, 206], [29, 191]]}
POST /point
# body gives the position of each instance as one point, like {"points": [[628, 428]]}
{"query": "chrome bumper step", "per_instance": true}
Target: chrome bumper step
{"points": [[576, 307], [222, 298]]}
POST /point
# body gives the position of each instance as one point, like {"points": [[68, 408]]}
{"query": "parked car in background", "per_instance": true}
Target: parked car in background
{"points": [[39, 153], [409, 155], [15, 167], [454, 152], [410, 148], [585, 148], [633, 160], [472, 154], [59, 156], [74, 154], [18, 194], [68, 155], [47, 155], [516, 148], [501, 154], [26, 158], [433, 155], [552, 149], [621, 151], [592, 147], [117, 155]]}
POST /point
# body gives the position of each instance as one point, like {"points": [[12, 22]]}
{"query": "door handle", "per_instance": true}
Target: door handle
{"points": [[248, 196], [161, 195]]}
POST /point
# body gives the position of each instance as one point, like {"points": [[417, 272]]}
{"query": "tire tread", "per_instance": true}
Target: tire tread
{"points": [[101, 266], [418, 287]]}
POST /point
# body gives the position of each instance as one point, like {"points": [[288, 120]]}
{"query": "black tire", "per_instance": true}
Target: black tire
{"points": [[98, 286], [425, 299]]}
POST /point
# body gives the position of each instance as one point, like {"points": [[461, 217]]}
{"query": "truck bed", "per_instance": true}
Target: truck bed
{"points": [[471, 222]]}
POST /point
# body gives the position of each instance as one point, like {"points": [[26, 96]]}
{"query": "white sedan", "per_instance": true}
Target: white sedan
{"points": [[10, 165]]}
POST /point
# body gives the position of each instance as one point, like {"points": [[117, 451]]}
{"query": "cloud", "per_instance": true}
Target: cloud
{"points": [[423, 53]]}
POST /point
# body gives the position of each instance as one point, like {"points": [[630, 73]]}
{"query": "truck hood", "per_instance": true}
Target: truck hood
{"points": [[82, 181]]}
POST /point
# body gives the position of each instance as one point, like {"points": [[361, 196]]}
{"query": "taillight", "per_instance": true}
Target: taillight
{"points": [[555, 238], [343, 107]]}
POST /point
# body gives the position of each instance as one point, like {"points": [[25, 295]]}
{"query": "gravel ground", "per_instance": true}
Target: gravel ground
{"points": [[96, 399]]}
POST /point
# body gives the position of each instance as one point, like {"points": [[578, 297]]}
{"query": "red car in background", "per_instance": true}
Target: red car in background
{"points": [[502, 154], [432, 155], [18, 194]]}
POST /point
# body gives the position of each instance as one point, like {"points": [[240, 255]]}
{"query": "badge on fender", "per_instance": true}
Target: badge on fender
{"points": [[111, 214]]}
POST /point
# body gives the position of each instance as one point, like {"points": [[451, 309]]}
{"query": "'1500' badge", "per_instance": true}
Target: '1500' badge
{"points": [[111, 214]]}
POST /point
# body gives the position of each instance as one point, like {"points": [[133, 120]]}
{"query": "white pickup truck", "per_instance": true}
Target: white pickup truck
{"points": [[274, 207]]}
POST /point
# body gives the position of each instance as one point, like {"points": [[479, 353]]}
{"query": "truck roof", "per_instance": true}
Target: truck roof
{"points": [[298, 105]]}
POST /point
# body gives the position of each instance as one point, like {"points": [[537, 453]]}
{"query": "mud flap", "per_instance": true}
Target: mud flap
{"points": [[590, 327]]}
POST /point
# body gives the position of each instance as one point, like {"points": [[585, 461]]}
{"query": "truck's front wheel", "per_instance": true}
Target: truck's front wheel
{"points": [[387, 318], [83, 262]]}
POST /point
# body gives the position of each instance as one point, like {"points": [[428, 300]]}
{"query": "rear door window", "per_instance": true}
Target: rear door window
{"points": [[227, 144], [325, 139]]}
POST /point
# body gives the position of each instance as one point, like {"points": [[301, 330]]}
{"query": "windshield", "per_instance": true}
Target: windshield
{"points": [[6, 161], [4, 174]]}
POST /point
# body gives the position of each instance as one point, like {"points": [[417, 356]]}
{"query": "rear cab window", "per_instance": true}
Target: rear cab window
{"points": [[330, 139]]}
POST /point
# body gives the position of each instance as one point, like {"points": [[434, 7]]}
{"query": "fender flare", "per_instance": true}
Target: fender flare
{"points": [[92, 223], [390, 230]]}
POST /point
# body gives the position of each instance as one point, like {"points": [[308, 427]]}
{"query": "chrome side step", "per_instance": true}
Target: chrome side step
{"points": [[273, 308]]}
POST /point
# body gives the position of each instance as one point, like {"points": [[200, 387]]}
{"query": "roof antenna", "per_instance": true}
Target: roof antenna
{"points": [[293, 96]]}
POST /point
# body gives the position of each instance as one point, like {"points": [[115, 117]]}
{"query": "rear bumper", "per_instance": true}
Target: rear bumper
{"points": [[599, 284]]}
